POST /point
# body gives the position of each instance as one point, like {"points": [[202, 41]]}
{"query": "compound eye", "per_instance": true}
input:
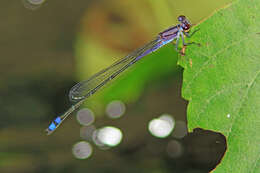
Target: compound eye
{"points": [[181, 18], [186, 27]]}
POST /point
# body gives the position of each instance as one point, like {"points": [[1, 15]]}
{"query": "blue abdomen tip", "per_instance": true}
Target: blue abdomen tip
{"points": [[52, 126], [57, 120]]}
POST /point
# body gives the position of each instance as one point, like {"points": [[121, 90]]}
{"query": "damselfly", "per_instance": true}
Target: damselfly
{"points": [[84, 89]]}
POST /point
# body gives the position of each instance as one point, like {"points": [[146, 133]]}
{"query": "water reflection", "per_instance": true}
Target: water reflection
{"points": [[180, 129], [32, 4], [85, 117], [174, 149], [161, 127], [82, 150], [86, 132], [108, 136], [115, 109]]}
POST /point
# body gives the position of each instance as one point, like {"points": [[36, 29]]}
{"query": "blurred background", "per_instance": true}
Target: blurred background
{"points": [[137, 123]]}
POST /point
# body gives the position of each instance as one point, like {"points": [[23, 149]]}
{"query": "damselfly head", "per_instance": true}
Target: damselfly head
{"points": [[185, 24], [181, 18]]}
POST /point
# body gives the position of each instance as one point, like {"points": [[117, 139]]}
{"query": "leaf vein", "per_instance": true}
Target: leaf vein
{"points": [[211, 59], [250, 84]]}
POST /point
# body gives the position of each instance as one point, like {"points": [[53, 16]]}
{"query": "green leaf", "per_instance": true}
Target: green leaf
{"points": [[222, 83]]}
